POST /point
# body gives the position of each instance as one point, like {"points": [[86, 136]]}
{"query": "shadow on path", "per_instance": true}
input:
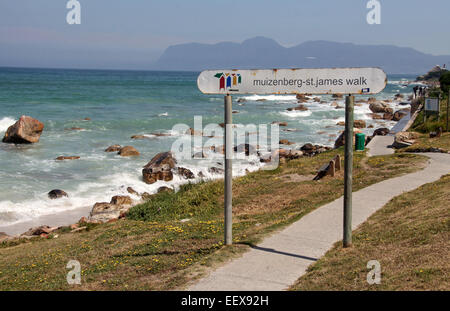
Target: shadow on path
{"points": [[271, 250]]}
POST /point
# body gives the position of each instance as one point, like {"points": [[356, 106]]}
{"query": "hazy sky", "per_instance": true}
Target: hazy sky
{"points": [[133, 33]]}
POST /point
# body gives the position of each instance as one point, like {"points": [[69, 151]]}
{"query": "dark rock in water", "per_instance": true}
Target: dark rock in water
{"points": [[185, 173], [215, 170], [375, 116], [75, 129], [359, 124], [128, 151], [398, 115], [164, 189], [139, 137], [285, 142], [280, 123], [61, 158], [379, 107], [113, 148], [337, 96], [388, 116], [57, 193], [25, 131], [132, 191], [201, 175], [307, 147], [298, 108], [193, 132], [159, 168], [87, 119], [247, 148]]}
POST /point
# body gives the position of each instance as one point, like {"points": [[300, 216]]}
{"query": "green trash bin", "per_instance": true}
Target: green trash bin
{"points": [[360, 141]]}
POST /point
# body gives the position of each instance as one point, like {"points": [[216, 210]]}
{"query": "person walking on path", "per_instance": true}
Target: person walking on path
{"points": [[415, 91]]}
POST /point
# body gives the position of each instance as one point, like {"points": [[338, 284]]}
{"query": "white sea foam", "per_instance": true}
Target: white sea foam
{"points": [[296, 114], [88, 193], [5, 123], [271, 97]]}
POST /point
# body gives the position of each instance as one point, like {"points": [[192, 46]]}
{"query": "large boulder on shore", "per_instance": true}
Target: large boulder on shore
{"points": [[25, 131], [379, 107], [159, 168], [37, 231], [404, 139], [103, 211]]}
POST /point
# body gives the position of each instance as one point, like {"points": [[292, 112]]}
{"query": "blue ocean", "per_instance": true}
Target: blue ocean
{"points": [[108, 107]]}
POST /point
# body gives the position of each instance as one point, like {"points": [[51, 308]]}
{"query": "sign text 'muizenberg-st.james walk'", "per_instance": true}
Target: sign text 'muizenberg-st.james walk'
{"points": [[293, 81]]}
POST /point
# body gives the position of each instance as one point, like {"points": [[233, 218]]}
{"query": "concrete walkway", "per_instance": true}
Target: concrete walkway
{"points": [[282, 258], [379, 145]]}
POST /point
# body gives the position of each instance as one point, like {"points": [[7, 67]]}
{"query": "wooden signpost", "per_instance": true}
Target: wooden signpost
{"points": [[362, 81]]}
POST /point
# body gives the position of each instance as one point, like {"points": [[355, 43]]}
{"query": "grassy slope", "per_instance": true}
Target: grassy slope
{"points": [[432, 124], [158, 251], [410, 237], [425, 141]]}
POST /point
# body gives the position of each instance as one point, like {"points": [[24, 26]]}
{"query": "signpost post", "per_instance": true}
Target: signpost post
{"points": [[228, 170], [348, 170], [348, 81]]}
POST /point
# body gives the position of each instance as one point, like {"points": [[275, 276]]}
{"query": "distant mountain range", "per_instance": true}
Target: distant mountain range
{"points": [[261, 52]]}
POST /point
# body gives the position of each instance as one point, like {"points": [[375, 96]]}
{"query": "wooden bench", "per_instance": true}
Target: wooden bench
{"points": [[329, 168]]}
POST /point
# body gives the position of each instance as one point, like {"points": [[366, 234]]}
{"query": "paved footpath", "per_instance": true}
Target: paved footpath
{"points": [[282, 258]]}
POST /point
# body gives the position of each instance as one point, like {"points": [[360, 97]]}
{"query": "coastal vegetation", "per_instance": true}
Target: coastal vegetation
{"points": [[175, 238], [409, 237]]}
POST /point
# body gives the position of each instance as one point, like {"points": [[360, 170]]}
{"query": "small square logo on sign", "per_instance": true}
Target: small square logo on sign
{"points": [[366, 90]]}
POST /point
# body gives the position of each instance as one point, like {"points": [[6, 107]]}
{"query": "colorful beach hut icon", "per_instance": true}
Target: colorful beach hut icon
{"points": [[227, 80]]}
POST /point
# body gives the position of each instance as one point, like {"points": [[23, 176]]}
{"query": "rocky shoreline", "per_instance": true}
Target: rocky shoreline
{"points": [[163, 166]]}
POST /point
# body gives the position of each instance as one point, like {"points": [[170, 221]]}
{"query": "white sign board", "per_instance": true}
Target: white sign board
{"points": [[293, 81], [432, 104]]}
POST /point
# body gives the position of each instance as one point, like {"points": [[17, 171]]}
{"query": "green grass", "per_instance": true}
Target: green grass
{"points": [[425, 142], [410, 237], [176, 237], [432, 124]]}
